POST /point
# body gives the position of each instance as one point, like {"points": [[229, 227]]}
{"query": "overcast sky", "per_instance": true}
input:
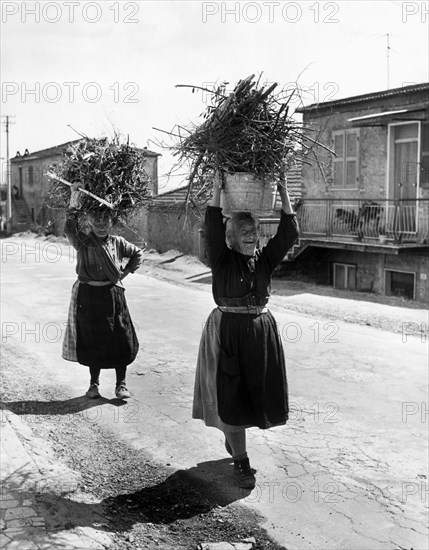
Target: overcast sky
{"points": [[105, 66]]}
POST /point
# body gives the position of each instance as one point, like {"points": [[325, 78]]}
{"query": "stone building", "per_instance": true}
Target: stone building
{"points": [[364, 209]]}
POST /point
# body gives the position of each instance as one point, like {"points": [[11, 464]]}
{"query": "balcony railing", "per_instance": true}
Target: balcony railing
{"points": [[385, 221]]}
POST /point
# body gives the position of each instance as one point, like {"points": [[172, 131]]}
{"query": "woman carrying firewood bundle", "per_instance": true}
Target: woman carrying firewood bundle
{"points": [[241, 378], [100, 333]]}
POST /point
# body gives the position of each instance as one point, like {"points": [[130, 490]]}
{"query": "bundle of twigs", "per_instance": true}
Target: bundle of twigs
{"points": [[111, 174], [248, 130]]}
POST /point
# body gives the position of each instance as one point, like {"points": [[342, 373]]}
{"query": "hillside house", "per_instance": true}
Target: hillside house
{"points": [[364, 209]]}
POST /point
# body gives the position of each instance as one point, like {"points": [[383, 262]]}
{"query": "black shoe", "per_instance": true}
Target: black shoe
{"points": [[243, 474], [228, 447], [93, 392]]}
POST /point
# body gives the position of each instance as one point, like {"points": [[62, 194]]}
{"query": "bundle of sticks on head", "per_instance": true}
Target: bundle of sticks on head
{"points": [[111, 176], [247, 130]]}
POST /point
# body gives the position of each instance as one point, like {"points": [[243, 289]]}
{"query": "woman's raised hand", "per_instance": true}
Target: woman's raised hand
{"points": [[217, 186], [217, 180], [74, 195], [281, 186], [284, 195]]}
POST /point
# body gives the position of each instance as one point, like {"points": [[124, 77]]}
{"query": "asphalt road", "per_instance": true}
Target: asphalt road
{"points": [[348, 471]]}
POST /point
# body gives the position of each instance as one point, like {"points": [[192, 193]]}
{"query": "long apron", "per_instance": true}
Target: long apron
{"points": [[241, 376], [99, 331]]}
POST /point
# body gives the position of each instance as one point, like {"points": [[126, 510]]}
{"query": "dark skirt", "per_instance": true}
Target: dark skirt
{"points": [[251, 376], [105, 335]]}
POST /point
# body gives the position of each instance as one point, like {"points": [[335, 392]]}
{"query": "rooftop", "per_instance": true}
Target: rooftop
{"points": [[403, 90], [59, 150]]}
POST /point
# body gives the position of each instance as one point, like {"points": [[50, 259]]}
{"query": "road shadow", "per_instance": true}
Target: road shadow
{"points": [[201, 278], [182, 495], [59, 511], [66, 406], [171, 260]]}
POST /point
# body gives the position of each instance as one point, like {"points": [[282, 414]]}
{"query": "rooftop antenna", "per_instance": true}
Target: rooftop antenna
{"points": [[388, 60]]}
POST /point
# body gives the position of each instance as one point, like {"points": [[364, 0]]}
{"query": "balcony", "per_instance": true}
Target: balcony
{"points": [[359, 224]]}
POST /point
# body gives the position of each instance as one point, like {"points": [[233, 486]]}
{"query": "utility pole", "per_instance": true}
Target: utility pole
{"points": [[8, 178]]}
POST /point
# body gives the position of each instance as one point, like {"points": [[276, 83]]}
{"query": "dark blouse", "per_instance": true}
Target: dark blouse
{"points": [[98, 259], [236, 281]]}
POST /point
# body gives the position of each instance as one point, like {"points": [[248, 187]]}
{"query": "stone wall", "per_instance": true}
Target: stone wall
{"points": [[170, 229], [317, 265]]}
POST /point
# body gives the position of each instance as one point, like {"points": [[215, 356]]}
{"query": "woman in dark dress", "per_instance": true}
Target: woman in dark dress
{"points": [[100, 333], [241, 377]]}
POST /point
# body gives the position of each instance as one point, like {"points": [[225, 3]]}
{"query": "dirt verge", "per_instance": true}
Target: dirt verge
{"points": [[140, 503]]}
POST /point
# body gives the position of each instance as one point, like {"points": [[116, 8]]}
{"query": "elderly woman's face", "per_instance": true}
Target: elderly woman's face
{"points": [[100, 227], [245, 238]]}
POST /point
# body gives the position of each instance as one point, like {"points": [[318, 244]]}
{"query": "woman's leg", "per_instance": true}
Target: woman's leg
{"points": [[93, 392], [121, 373], [237, 443], [121, 389], [242, 471], [95, 375]]}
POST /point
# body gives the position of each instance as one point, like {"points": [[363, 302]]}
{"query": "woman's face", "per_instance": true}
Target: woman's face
{"points": [[245, 238], [100, 227]]}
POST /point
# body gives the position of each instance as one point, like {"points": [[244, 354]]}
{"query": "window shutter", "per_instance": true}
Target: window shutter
{"points": [[351, 159], [346, 163], [338, 160], [351, 173]]}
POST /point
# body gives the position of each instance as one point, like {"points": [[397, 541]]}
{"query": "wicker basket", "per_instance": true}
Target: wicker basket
{"points": [[244, 192]]}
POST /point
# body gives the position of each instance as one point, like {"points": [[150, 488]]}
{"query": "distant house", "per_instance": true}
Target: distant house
{"points": [[171, 226], [364, 209], [30, 185]]}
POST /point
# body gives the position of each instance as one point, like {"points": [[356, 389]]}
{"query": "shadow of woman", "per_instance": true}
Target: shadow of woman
{"points": [[183, 495], [66, 406]]}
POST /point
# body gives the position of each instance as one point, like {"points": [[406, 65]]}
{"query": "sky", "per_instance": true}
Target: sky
{"points": [[101, 67]]}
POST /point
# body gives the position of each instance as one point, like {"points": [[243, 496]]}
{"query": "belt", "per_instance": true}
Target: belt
{"points": [[252, 310], [98, 283]]}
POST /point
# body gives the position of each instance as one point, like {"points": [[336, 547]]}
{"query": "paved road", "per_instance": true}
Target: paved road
{"points": [[348, 471]]}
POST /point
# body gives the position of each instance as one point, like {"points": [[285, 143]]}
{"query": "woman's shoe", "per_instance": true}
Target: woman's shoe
{"points": [[121, 392], [243, 474], [93, 392]]}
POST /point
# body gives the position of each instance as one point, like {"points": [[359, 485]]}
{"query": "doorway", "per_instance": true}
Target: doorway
{"points": [[404, 179], [400, 283], [345, 276]]}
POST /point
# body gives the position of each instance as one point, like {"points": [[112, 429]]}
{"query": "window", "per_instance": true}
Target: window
{"points": [[399, 283], [345, 276], [346, 158], [424, 166], [31, 175]]}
